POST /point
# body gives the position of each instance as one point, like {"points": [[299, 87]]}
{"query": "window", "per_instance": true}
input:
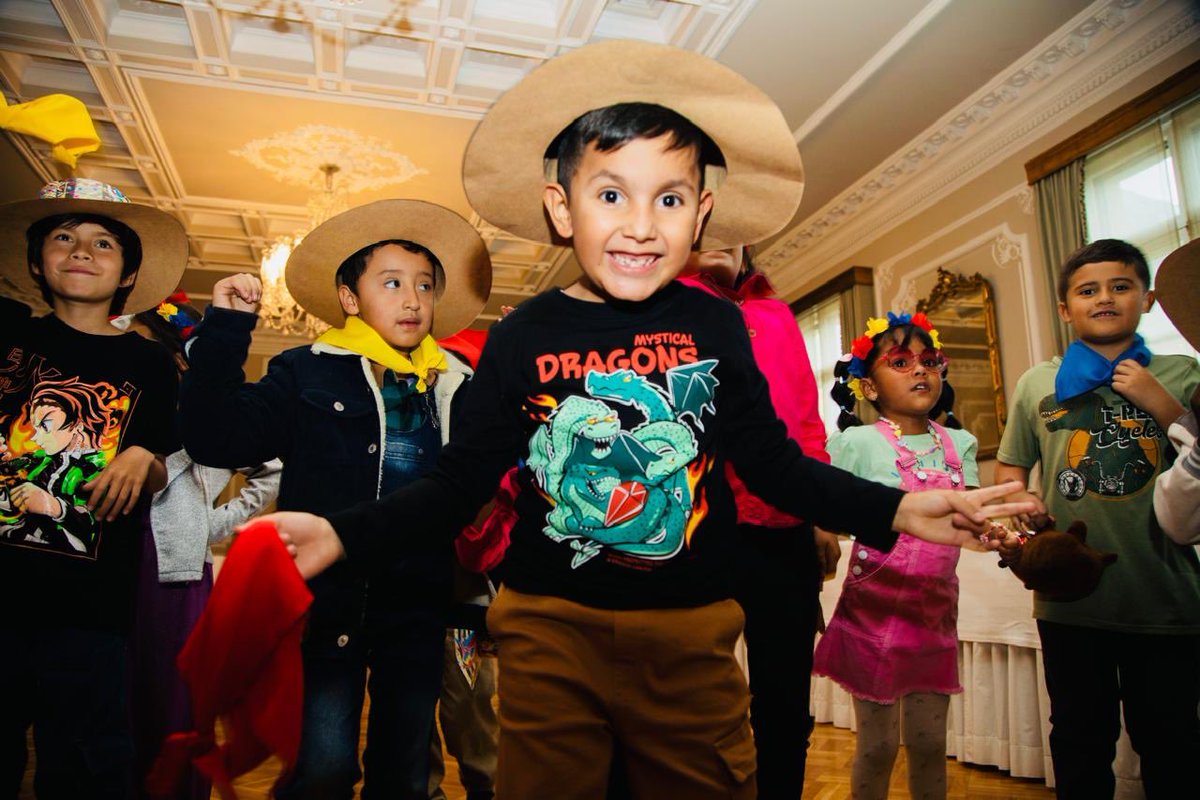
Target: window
{"points": [[821, 326], [1145, 188]]}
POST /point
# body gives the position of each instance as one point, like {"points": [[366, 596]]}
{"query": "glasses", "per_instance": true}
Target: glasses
{"points": [[901, 359]]}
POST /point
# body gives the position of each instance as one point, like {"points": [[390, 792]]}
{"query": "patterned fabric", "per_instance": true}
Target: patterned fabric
{"points": [[405, 408], [466, 654], [81, 189]]}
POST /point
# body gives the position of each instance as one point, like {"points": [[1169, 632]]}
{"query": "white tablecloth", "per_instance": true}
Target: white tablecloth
{"points": [[1002, 718]]}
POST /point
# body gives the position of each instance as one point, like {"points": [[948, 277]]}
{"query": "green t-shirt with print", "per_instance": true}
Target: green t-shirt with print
{"points": [[1100, 456], [866, 452]]}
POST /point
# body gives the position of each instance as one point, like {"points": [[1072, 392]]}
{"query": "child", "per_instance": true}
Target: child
{"points": [[86, 414], [176, 573], [361, 412], [778, 578], [1177, 491], [624, 393], [1094, 420], [892, 641]]}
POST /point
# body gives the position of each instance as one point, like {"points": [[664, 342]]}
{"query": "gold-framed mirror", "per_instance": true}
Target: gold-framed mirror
{"points": [[961, 308]]}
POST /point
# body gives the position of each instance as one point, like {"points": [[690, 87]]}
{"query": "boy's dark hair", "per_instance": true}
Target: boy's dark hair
{"points": [[614, 126], [748, 268], [1103, 250], [843, 395], [352, 269], [131, 250]]}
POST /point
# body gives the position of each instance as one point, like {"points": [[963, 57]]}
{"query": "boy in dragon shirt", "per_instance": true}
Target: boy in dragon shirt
{"points": [[622, 396]]}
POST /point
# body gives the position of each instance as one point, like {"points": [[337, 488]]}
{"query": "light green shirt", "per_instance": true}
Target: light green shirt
{"points": [[867, 453], [1100, 455]]}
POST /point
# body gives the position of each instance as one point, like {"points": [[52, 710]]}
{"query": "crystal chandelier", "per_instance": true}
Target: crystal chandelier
{"points": [[277, 309], [335, 162]]}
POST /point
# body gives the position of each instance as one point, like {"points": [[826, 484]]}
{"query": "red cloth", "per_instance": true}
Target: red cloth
{"points": [[467, 343], [242, 664], [481, 549], [782, 357]]}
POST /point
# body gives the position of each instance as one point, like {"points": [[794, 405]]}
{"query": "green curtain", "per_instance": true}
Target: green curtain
{"points": [[1062, 229]]}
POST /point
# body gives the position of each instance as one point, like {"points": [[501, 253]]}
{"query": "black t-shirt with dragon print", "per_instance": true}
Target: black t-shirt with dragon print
{"points": [[620, 416]]}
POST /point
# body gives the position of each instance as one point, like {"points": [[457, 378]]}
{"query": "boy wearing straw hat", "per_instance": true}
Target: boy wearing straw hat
{"points": [[624, 394], [361, 412], [1177, 490], [86, 413]]}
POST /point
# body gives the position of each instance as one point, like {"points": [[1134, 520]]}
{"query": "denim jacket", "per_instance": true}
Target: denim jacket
{"points": [[319, 411]]}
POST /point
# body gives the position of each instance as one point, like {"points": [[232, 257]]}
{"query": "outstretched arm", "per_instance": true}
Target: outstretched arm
{"points": [[957, 518]]}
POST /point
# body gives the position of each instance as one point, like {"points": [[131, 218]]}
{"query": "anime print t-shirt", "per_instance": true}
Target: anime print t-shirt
{"points": [[69, 402]]}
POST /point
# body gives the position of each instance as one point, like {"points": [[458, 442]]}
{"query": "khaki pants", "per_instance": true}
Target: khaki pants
{"points": [[662, 685]]}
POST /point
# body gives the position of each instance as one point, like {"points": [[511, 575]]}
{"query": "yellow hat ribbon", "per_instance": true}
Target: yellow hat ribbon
{"points": [[59, 119], [359, 337]]}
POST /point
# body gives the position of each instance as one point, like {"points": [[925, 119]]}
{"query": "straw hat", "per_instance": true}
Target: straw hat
{"points": [[1177, 289], [313, 265], [504, 169], [164, 242]]}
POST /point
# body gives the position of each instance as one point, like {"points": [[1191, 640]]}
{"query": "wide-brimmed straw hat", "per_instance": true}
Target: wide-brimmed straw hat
{"points": [[1177, 289], [505, 170], [313, 265], [164, 242]]}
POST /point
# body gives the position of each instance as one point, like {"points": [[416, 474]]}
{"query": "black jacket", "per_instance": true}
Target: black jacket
{"points": [[317, 410]]}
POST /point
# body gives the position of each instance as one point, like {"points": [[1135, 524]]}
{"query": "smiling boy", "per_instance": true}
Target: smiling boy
{"points": [[361, 412], [1095, 421], [85, 415], [622, 395]]}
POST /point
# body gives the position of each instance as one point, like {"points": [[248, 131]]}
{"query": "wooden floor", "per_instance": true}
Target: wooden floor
{"points": [[828, 776]]}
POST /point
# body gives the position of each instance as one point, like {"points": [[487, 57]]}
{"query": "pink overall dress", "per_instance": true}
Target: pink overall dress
{"points": [[894, 631]]}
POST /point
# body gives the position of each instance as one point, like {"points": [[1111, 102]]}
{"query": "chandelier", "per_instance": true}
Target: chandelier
{"points": [[336, 162], [277, 309]]}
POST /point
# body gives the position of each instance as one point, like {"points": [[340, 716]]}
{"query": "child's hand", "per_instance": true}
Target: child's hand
{"points": [[1010, 548], [944, 516], [1137, 384], [119, 485], [29, 498], [239, 292], [310, 539], [1037, 520], [828, 551]]}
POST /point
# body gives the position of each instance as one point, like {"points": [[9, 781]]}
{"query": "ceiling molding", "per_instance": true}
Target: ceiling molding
{"points": [[1102, 49], [869, 69], [449, 58]]}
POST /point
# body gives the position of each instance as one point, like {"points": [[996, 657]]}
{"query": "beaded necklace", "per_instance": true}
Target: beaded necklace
{"points": [[918, 454], [937, 439]]}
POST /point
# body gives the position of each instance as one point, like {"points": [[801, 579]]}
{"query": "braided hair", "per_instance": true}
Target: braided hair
{"points": [[901, 335]]}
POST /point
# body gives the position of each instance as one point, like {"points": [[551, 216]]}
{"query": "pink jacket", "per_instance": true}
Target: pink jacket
{"points": [[781, 355]]}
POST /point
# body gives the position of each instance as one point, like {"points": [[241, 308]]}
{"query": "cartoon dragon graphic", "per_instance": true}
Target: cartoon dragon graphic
{"points": [[623, 489]]}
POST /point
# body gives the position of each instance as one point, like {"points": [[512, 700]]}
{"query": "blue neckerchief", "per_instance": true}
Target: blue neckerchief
{"points": [[1083, 369]]}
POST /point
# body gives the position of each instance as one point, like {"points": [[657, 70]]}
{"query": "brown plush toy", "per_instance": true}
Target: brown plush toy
{"points": [[1061, 565]]}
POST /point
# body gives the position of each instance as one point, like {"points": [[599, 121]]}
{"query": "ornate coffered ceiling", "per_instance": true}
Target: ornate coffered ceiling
{"points": [[177, 87], [894, 103]]}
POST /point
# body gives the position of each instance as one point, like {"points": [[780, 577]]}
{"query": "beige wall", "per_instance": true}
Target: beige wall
{"points": [[988, 226]]}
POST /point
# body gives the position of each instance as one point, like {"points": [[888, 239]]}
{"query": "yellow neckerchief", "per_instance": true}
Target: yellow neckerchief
{"points": [[359, 337], [59, 119]]}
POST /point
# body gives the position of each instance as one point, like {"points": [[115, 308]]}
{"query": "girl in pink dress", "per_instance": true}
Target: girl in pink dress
{"points": [[892, 641]]}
